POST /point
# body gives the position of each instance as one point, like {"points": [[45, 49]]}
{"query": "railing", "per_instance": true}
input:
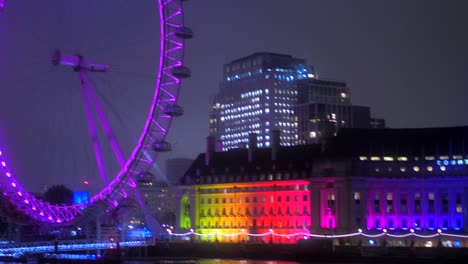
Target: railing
{"points": [[70, 245]]}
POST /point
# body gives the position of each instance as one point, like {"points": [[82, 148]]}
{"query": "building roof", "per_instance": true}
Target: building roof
{"points": [[404, 141]]}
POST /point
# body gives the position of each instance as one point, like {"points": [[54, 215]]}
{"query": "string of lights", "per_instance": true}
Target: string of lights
{"points": [[271, 232]]}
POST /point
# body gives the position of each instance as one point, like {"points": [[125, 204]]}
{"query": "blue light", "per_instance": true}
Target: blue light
{"points": [[452, 162], [80, 197]]}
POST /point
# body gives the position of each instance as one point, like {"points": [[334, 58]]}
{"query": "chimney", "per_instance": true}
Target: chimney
{"points": [[210, 145], [275, 144], [252, 145]]}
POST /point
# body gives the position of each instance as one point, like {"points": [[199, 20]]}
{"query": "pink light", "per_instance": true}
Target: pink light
{"points": [[20, 193], [26, 201], [8, 174], [3, 164], [13, 184]]}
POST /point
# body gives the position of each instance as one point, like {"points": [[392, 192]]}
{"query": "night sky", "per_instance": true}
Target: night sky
{"points": [[407, 60]]}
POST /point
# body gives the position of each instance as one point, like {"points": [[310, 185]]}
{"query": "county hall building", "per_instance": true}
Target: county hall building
{"points": [[409, 184]]}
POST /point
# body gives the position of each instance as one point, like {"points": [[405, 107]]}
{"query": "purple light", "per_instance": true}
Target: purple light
{"points": [[8, 174], [3, 164]]}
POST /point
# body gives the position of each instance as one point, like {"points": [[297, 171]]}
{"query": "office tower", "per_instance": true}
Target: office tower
{"points": [[323, 107], [257, 95]]}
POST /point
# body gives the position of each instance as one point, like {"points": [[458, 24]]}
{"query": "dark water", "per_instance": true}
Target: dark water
{"points": [[204, 261], [225, 261]]}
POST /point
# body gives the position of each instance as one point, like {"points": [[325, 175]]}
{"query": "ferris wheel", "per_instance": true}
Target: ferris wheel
{"points": [[150, 143]]}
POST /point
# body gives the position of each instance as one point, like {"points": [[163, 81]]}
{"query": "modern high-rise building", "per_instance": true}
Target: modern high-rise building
{"points": [[257, 95], [323, 107], [268, 91]]}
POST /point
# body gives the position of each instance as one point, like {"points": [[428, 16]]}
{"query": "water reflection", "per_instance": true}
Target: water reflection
{"points": [[212, 261]]}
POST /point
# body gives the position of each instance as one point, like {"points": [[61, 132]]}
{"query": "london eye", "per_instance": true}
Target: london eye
{"points": [[132, 167]]}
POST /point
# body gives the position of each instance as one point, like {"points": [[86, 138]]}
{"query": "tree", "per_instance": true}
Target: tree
{"points": [[59, 194]]}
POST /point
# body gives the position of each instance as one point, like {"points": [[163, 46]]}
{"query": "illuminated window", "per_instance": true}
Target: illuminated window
{"points": [[431, 202], [357, 197], [389, 203], [402, 158], [403, 169], [375, 158], [416, 168], [429, 168], [443, 168], [362, 158], [388, 158], [458, 202]]}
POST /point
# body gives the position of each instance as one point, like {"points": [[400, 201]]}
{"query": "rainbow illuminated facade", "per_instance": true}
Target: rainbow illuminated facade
{"points": [[387, 181], [280, 207]]}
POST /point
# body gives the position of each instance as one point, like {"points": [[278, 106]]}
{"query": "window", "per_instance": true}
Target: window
{"points": [[458, 201], [357, 198], [358, 222], [417, 203], [390, 203], [431, 203], [377, 203], [403, 204], [404, 223], [445, 203]]}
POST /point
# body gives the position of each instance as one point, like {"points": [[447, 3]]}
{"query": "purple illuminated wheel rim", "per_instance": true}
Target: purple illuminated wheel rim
{"points": [[158, 122]]}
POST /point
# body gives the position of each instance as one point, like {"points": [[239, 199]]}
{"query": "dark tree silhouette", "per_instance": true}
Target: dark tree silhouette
{"points": [[59, 194]]}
